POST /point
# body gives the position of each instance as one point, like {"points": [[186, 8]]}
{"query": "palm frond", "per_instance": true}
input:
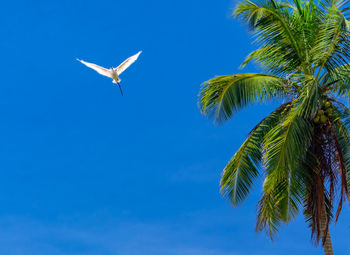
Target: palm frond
{"points": [[337, 81], [282, 197], [242, 169], [275, 27], [332, 48], [285, 145], [341, 113], [343, 151], [224, 95], [341, 121], [269, 216]]}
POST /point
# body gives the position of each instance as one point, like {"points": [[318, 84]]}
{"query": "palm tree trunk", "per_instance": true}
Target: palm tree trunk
{"points": [[327, 243]]}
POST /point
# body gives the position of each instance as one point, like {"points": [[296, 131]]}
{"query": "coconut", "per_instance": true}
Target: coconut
{"points": [[323, 119], [320, 112], [317, 120], [327, 105]]}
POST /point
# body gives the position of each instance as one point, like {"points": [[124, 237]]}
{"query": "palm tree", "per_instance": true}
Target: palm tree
{"points": [[302, 149]]}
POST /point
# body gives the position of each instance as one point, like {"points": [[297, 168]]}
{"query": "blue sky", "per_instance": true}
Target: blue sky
{"points": [[86, 171]]}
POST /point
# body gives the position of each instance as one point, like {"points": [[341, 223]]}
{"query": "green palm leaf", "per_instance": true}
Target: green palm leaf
{"points": [[222, 96], [242, 169]]}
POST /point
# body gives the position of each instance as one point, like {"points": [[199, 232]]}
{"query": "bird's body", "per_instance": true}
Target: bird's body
{"points": [[113, 72], [115, 76]]}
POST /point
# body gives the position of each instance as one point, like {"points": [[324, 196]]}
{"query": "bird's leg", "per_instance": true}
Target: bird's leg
{"points": [[120, 88]]}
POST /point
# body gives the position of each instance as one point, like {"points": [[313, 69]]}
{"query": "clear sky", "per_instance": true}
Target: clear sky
{"points": [[86, 171]]}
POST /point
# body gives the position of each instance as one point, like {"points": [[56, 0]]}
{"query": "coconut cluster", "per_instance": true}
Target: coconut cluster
{"points": [[323, 114]]}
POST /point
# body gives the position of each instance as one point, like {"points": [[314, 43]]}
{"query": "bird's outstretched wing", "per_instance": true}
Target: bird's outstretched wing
{"points": [[99, 69], [123, 66]]}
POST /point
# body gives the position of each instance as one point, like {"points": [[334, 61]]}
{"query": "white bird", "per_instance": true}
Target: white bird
{"points": [[113, 72]]}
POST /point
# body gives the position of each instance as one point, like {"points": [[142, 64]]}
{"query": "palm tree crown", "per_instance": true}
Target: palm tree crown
{"points": [[301, 149]]}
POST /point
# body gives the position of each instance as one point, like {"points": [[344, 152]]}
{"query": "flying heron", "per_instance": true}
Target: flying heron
{"points": [[113, 72]]}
